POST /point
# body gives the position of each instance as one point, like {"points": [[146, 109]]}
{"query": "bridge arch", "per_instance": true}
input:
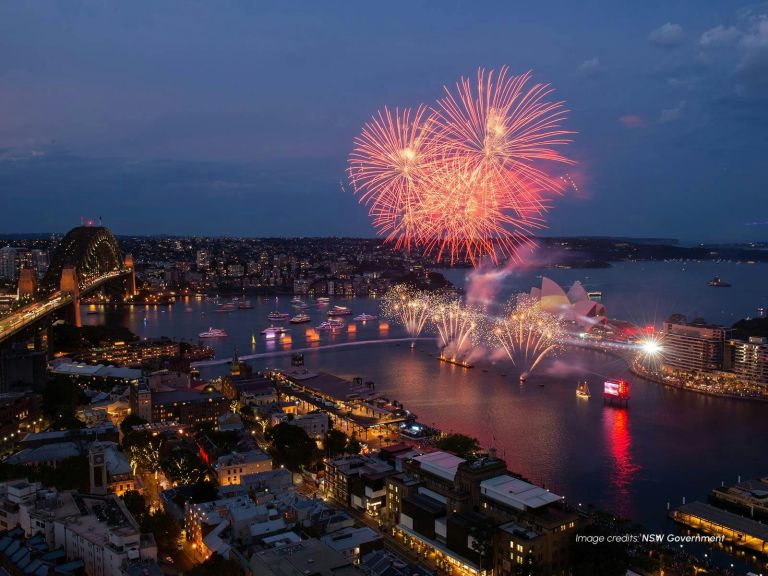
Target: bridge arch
{"points": [[91, 250]]}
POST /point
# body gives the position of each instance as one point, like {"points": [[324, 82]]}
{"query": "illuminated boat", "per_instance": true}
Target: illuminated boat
{"points": [[339, 311], [228, 307], [300, 318], [212, 333], [245, 305], [716, 282], [582, 390], [273, 332], [364, 317], [331, 325], [277, 316], [322, 301]]}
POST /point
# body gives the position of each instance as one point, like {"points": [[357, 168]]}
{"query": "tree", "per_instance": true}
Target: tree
{"points": [[482, 539], [216, 565], [135, 504], [293, 447], [354, 446], [164, 528], [459, 444], [204, 491], [126, 426], [335, 442]]}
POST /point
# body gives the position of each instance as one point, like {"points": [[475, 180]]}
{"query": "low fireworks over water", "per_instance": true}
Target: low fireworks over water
{"points": [[408, 307], [527, 334], [458, 327], [469, 177], [524, 333]]}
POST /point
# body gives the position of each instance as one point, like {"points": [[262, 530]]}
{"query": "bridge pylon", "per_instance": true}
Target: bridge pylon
{"points": [[130, 287], [70, 285]]}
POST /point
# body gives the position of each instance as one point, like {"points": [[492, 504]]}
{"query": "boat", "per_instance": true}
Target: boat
{"points": [[228, 307], [331, 325], [716, 282], [299, 303], [213, 333], [296, 300], [273, 332], [339, 311], [244, 305], [276, 316], [322, 300], [582, 390], [300, 318], [364, 317]]}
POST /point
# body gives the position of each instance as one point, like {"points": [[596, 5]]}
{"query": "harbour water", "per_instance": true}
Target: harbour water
{"points": [[668, 444]]}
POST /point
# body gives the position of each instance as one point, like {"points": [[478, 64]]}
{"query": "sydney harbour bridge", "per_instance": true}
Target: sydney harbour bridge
{"points": [[87, 259]]}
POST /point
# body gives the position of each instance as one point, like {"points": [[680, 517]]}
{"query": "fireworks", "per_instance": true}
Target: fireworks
{"points": [[408, 307], [464, 179], [457, 327], [526, 333]]}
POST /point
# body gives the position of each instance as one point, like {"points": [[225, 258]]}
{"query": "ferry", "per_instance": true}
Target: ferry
{"points": [[582, 390], [213, 333], [716, 282], [339, 311], [273, 332], [331, 325], [300, 318], [364, 317], [277, 316]]}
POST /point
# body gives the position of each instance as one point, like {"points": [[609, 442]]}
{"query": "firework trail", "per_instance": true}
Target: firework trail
{"points": [[387, 168], [408, 307], [465, 179], [457, 326], [526, 333]]}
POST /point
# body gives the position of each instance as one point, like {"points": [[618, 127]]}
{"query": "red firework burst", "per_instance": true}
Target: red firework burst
{"points": [[465, 180]]}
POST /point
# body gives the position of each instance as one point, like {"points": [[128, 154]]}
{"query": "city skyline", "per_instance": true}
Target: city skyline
{"points": [[124, 105]]}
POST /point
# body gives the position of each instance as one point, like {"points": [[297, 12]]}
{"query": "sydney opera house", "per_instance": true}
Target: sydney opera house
{"points": [[572, 306]]}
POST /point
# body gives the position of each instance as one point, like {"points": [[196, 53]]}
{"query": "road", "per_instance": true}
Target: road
{"points": [[36, 310]]}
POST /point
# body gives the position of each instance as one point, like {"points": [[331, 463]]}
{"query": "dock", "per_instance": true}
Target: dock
{"points": [[734, 529]]}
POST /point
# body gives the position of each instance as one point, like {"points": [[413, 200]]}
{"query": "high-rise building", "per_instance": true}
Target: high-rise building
{"points": [[748, 359], [203, 261], [9, 262], [40, 261], [695, 346]]}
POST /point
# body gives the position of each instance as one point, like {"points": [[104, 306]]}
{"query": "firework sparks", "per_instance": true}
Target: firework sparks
{"points": [[457, 327], [526, 333], [408, 307], [465, 179], [387, 167]]}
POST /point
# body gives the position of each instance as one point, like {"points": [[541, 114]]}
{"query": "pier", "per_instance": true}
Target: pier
{"points": [[737, 530]]}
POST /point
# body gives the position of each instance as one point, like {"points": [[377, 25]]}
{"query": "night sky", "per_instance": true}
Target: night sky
{"points": [[237, 117]]}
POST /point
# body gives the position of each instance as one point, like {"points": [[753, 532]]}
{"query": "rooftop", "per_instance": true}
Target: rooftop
{"points": [[725, 519], [517, 493], [442, 464]]}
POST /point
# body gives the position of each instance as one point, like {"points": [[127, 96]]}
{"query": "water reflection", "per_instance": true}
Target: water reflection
{"points": [[623, 468]]}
